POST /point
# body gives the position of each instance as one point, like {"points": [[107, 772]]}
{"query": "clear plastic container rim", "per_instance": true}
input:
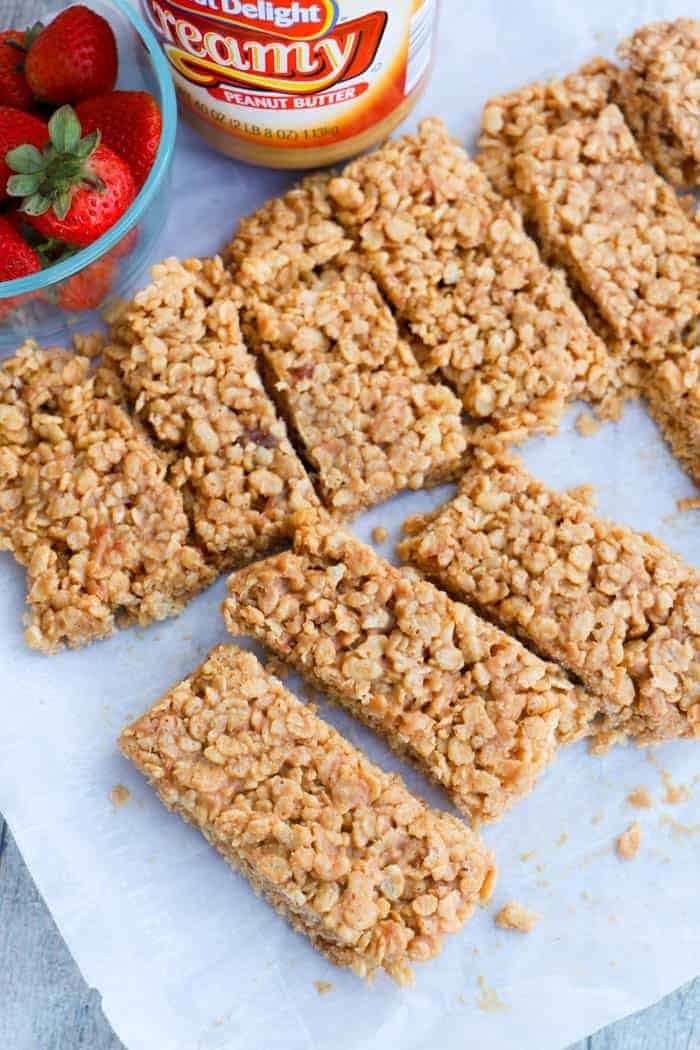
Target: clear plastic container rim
{"points": [[168, 104]]}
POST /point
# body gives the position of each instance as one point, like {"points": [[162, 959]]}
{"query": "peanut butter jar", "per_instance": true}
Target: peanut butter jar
{"points": [[295, 83]]}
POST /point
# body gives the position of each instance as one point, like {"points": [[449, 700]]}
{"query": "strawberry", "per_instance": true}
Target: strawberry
{"points": [[17, 127], [17, 259], [73, 57], [129, 123], [87, 289], [14, 89], [76, 188]]}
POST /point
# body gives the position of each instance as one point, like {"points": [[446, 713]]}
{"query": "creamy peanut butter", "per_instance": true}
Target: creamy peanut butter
{"points": [[295, 83]]}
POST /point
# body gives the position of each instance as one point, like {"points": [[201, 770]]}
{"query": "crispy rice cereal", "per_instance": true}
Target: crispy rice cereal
{"points": [[452, 258], [617, 228], [469, 705], [660, 96], [178, 349], [367, 419], [613, 606], [512, 123], [85, 506], [342, 850]]}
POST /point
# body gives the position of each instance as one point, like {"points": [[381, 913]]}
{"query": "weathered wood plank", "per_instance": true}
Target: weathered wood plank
{"points": [[44, 1001]]}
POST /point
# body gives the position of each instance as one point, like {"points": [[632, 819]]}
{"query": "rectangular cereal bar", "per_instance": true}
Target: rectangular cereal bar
{"points": [[366, 870], [511, 123], [468, 704], [85, 506], [617, 228], [364, 415], [659, 93], [178, 349], [615, 607], [490, 318]]}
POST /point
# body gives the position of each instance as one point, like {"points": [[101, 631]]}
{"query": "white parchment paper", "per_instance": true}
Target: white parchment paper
{"points": [[185, 956]]}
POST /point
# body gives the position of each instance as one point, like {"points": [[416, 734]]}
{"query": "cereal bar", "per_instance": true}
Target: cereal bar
{"points": [[659, 93], [469, 705], [85, 506], [617, 227], [366, 870], [366, 418], [178, 349], [451, 256], [512, 123], [672, 391], [615, 607], [287, 240]]}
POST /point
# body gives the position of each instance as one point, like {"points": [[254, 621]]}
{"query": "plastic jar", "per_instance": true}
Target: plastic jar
{"points": [[295, 83]]}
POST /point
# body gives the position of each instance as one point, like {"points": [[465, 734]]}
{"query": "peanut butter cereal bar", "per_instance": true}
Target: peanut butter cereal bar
{"points": [[178, 349], [617, 227], [363, 412], [451, 256], [660, 96], [287, 240], [613, 606], [85, 506], [469, 705], [512, 123], [371, 875]]}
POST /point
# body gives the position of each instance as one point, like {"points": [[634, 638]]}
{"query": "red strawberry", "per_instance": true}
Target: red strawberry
{"points": [[17, 127], [14, 89], [73, 57], [126, 245], [87, 289], [17, 259], [76, 189], [129, 123]]}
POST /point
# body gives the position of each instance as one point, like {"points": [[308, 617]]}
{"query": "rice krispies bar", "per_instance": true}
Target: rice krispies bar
{"points": [[85, 506], [287, 240], [659, 94], [511, 123], [617, 227], [455, 263], [470, 706], [368, 872], [367, 420], [178, 349], [615, 607]]}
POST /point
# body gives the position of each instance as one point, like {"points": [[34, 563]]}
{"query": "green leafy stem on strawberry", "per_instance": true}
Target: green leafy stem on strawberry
{"points": [[75, 188]]}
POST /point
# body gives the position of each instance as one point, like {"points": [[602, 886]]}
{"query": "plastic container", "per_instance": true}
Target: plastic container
{"points": [[125, 248], [295, 83]]}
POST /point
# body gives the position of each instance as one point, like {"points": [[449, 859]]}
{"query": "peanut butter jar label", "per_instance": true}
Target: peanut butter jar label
{"points": [[299, 74]]}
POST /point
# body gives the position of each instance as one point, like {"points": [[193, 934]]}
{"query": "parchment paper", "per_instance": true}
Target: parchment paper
{"points": [[185, 956]]}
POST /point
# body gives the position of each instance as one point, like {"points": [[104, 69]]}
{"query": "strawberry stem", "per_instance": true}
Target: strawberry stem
{"points": [[48, 179]]}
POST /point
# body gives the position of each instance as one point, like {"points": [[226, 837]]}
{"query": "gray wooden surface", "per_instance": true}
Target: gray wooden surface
{"points": [[46, 1005]]}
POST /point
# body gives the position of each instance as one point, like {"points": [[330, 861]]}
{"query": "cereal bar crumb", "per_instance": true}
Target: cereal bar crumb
{"points": [[379, 534], [324, 987], [515, 916], [640, 798], [488, 998], [689, 503], [629, 842], [587, 425], [119, 795]]}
